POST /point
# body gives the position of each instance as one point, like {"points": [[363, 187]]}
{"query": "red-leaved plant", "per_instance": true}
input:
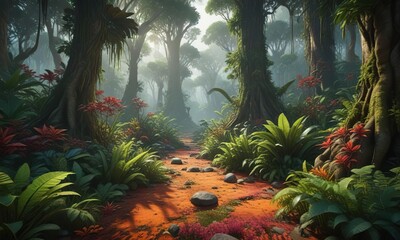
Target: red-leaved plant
{"points": [[348, 141], [7, 145], [86, 231]]}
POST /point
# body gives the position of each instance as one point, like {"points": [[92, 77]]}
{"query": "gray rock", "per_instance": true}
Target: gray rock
{"points": [[278, 230], [230, 178], [174, 230], [208, 169], [277, 185], [250, 179], [204, 199], [240, 181], [188, 182], [184, 169], [193, 169], [222, 236], [177, 161]]}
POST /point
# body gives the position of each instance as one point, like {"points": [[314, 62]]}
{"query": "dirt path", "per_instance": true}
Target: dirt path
{"points": [[147, 212]]}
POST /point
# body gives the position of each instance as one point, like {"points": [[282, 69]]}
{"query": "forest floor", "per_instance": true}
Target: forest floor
{"points": [[146, 213]]}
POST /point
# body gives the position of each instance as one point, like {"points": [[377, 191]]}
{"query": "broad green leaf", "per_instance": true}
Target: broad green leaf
{"points": [[36, 191], [354, 227], [7, 199], [323, 206]]}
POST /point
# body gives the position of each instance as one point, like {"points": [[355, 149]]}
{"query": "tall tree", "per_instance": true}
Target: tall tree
{"points": [[159, 74], [178, 17], [319, 33], [258, 99], [96, 25], [378, 99], [219, 34], [147, 12]]}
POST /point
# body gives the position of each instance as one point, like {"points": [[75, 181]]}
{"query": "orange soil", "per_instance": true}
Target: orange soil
{"points": [[147, 212]]}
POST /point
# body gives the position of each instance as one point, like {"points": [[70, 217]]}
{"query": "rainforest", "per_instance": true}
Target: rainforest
{"points": [[200, 119]]}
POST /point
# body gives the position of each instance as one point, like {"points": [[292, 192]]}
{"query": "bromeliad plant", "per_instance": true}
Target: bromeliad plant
{"points": [[365, 205], [282, 148]]}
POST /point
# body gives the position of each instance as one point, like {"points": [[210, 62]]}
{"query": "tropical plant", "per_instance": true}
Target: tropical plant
{"points": [[214, 134], [127, 166], [110, 192], [27, 210], [364, 205], [237, 150], [282, 148]]}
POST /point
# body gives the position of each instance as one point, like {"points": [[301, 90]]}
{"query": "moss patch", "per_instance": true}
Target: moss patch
{"points": [[207, 217]]}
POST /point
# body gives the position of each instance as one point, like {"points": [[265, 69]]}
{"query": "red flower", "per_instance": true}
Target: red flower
{"points": [[139, 103], [6, 145], [344, 159], [29, 72], [359, 130], [308, 82], [350, 148], [48, 76], [327, 143], [51, 133], [109, 106], [341, 132], [99, 92]]}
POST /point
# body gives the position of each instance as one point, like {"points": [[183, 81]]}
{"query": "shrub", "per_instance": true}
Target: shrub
{"points": [[366, 204], [282, 148]]}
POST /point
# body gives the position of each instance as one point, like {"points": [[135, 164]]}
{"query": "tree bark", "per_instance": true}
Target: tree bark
{"points": [[320, 42], [52, 44], [258, 99], [379, 89], [174, 103], [78, 84], [4, 57], [350, 51]]}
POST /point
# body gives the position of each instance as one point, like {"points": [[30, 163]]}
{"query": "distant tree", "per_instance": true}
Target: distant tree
{"points": [[177, 18], [191, 35], [210, 64], [277, 34], [222, 8], [54, 20], [96, 25], [147, 13], [219, 34], [5, 61], [320, 42], [158, 74]]}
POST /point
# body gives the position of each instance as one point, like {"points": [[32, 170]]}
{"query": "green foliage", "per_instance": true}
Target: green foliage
{"points": [[214, 134], [127, 166], [282, 148], [153, 129], [110, 192], [236, 151], [349, 11], [218, 214], [365, 204], [27, 210]]}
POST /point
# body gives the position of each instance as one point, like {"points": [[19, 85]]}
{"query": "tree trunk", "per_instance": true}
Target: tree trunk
{"points": [[52, 44], [174, 103], [132, 88], [81, 75], [258, 99], [320, 42], [4, 58], [160, 86], [350, 51], [379, 89]]}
